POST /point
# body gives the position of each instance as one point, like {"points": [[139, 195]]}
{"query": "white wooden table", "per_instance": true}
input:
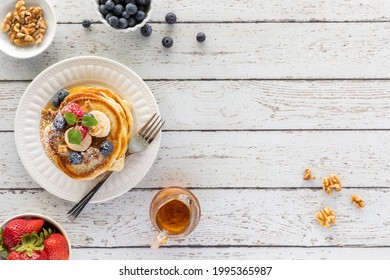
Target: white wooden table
{"points": [[277, 86]]}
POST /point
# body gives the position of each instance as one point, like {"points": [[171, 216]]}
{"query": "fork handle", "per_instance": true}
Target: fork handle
{"points": [[76, 210]]}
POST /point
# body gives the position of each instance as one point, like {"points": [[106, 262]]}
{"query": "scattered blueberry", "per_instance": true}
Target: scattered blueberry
{"points": [[125, 15], [56, 101], [113, 21], [170, 18], [106, 148], [122, 23], [131, 22], [103, 10], [143, 2], [109, 15], [118, 10], [103, 1], [62, 94], [131, 8], [167, 42], [86, 23], [200, 37], [146, 30], [140, 16], [110, 5], [75, 158], [59, 123]]}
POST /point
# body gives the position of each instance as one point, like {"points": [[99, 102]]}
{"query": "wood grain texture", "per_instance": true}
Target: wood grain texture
{"points": [[258, 51], [270, 159], [245, 10], [213, 253], [229, 218], [251, 105]]}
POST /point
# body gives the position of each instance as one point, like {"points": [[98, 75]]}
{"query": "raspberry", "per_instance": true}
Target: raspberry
{"points": [[75, 109], [82, 129]]}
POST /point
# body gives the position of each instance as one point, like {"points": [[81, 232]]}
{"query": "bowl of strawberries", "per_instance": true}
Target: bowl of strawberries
{"points": [[33, 236]]}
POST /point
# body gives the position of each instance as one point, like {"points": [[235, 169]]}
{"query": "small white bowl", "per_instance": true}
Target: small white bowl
{"points": [[96, 4], [47, 219], [27, 52]]}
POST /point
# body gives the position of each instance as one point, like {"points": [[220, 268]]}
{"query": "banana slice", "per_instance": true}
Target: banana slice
{"points": [[102, 129], [84, 145]]}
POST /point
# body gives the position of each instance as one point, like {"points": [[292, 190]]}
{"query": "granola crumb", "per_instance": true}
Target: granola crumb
{"points": [[308, 175]]}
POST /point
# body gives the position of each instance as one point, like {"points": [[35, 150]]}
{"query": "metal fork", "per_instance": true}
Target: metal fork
{"points": [[137, 144]]}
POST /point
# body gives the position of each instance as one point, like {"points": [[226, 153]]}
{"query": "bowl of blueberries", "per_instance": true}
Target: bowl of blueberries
{"points": [[124, 15]]}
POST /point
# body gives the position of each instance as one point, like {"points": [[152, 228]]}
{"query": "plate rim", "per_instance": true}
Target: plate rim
{"points": [[18, 117]]}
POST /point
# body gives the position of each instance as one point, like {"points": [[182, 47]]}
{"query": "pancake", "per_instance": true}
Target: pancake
{"points": [[93, 163]]}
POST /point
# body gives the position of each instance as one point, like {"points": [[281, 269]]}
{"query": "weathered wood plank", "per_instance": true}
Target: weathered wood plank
{"points": [[244, 105], [248, 159], [232, 51], [247, 10], [262, 253], [229, 218]]}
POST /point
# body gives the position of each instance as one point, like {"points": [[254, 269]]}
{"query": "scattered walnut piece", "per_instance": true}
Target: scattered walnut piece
{"points": [[25, 26], [326, 217], [358, 201], [308, 175], [330, 183]]}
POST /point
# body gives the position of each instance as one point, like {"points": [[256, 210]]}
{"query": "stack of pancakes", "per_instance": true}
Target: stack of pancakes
{"points": [[94, 163]]}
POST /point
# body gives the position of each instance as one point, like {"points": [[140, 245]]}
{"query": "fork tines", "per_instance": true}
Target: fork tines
{"points": [[150, 130]]}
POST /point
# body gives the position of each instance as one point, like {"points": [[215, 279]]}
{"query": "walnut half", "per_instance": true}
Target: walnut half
{"points": [[358, 201], [326, 217], [330, 183]]}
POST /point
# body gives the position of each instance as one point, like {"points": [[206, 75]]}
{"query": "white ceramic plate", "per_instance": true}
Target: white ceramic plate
{"points": [[94, 71]]}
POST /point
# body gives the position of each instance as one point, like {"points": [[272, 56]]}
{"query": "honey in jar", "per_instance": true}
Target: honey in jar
{"points": [[173, 217]]}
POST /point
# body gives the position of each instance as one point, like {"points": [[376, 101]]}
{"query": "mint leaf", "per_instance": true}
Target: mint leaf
{"points": [[89, 121], [70, 118], [74, 136]]}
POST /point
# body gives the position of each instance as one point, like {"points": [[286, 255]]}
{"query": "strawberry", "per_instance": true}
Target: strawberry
{"points": [[31, 248], [75, 109], [56, 247], [17, 228], [36, 255]]}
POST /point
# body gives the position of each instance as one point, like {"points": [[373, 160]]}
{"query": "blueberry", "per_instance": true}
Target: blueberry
{"points": [[86, 23], [59, 123], [131, 22], [62, 94], [109, 15], [75, 158], [125, 15], [56, 101], [113, 21], [118, 10], [146, 30], [143, 2], [140, 16], [131, 9], [122, 23], [167, 42], [170, 18], [106, 148], [130, 1], [103, 10], [110, 5], [200, 37], [103, 1]]}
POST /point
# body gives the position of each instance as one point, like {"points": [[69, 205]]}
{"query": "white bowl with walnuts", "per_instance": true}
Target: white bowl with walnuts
{"points": [[27, 27]]}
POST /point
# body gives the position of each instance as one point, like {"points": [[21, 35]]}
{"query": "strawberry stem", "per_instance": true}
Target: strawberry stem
{"points": [[3, 250], [30, 243]]}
